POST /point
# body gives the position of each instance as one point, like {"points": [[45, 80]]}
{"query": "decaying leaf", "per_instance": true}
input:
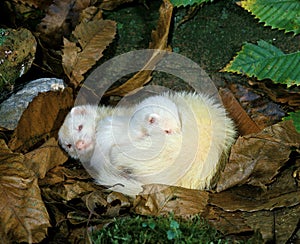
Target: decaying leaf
{"points": [[45, 157], [93, 36], [161, 199], [159, 42], [257, 158], [243, 122], [23, 215], [41, 120]]}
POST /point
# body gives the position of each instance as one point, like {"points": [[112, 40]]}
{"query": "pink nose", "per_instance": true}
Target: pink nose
{"points": [[80, 144]]}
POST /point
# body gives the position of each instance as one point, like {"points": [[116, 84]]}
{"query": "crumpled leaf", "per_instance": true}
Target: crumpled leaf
{"points": [[257, 158], [159, 199], [159, 42], [93, 37], [23, 215], [44, 158], [41, 120]]}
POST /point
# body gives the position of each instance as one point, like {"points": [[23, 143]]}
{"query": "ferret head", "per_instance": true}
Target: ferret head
{"points": [[158, 114], [77, 134]]}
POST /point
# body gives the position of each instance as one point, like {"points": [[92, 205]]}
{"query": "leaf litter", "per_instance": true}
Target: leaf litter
{"points": [[256, 191]]}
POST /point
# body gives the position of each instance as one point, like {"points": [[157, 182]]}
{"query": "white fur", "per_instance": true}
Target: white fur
{"points": [[128, 151]]}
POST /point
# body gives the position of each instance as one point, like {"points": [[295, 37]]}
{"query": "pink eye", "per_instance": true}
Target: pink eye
{"points": [[80, 127]]}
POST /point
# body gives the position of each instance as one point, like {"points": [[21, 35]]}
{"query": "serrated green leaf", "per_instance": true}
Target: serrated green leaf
{"points": [[265, 61], [281, 14], [296, 119], [184, 3]]}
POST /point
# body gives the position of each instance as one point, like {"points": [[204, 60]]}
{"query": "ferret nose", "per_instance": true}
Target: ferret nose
{"points": [[80, 144]]}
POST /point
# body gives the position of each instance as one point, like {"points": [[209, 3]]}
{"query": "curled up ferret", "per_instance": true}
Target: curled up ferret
{"points": [[174, 139]]}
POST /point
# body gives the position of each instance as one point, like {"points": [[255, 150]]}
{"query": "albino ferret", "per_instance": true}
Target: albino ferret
{"points": [[152, 118], [189, 157]]}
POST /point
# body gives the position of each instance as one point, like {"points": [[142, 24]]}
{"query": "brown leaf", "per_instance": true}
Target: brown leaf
{"points": [[257, 158], [159, 42], [227, 222], [244, 123], [70, 189], [41, 120], [23, 215], [93, 36], [160, 200], [112, 4], [238, 199], [53, 25], [45, 157], [93, 200]]}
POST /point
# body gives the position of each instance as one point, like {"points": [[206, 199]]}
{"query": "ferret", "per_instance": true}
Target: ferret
{"points": [[190, 158], [188, 154], [153, 118]]}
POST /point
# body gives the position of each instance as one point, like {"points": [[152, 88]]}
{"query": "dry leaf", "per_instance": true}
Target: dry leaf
{"points": [[93, 36], [243, 122], [45, 158], [257, 158], [112, 4], [161, 199], [41, 120], [23, 215], [93, 200], [238, 199], [159, 42], [53, 25], [227, 222]]}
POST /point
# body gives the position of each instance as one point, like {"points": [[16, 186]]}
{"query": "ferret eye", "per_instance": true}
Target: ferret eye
{"points": [[80, 127], [69, 145], [168, 131]]}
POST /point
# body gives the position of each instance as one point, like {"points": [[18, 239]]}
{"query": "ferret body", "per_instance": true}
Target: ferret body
{"points": [[188, 159], [150, 120], [186, 152]]}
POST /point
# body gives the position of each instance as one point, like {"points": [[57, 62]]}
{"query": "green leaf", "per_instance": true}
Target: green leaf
{"points": [[281, 14], [296, 119], [265, 61], [184, 3]]}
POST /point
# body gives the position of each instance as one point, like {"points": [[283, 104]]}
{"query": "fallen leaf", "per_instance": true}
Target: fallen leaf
{"points": [[112, 4], [243, 122], [44, 158], [93, 37], [53, 26], [41, 120], [161, 199], [159, 42], [227, 222], [23, 215], [256, 159], [235, 199]]}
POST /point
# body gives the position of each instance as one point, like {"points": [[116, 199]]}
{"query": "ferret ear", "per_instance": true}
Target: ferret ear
{"points": [[153, 118], [78, 110]]}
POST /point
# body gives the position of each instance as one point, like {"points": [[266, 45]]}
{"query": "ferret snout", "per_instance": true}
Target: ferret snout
{"points": [[80, 144]]}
